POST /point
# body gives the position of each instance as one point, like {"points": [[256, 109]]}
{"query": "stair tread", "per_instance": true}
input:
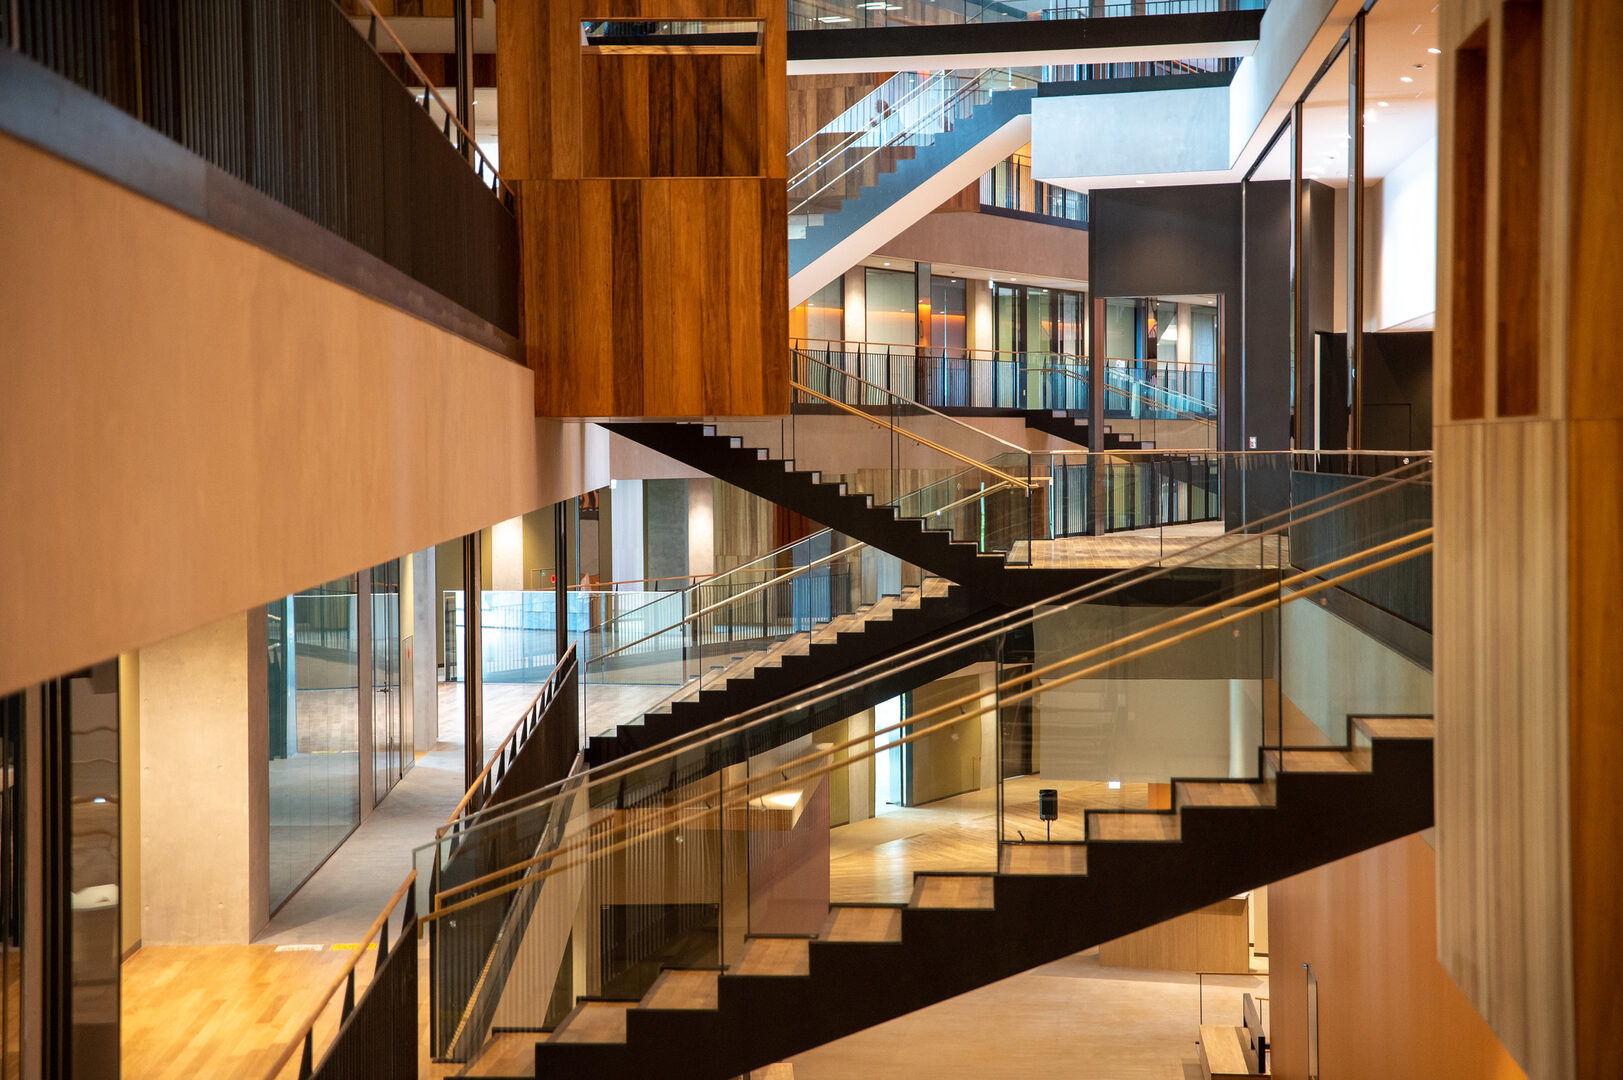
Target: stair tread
{"points": [[1332, 760], [1143, 825], [936, 586], [1397, 727], [862, 924], [952, 891], [680, 989], [593, 1022], [775, 956], [1044, 859], [1225, 793]]}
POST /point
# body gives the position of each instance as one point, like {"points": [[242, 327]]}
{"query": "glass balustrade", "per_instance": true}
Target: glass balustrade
{"points": [[1111, 697], [862, 14]]}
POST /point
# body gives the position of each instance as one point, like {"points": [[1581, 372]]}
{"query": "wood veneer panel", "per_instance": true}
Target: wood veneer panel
{"points": [[629, 270], [1596, 744], [1468, 359], [1595, 375], [1520, 163]]}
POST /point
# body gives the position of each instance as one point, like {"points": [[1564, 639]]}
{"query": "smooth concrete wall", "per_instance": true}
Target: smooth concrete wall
{"points": [[994, 242], [204, 785], [1331, 670], [1405, 293], [1158, 131], [192, 426], [425, 709]]}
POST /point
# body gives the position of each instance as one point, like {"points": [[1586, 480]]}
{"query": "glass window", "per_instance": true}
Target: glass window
{"points": [[892, 307], [313, 640], [11, 882], [391, 755], [948, 313]]}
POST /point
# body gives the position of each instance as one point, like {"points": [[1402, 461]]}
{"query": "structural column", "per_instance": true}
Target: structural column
{"points": [[473, 662]]}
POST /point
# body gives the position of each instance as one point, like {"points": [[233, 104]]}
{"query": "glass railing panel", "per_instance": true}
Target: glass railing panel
{"points": [[863, 14], [1105, 697]]}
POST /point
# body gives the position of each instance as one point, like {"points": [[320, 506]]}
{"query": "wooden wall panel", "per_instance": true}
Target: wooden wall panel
{"points": [[1596, 507], [1386, 1008], [657, 180], [670, 294]]}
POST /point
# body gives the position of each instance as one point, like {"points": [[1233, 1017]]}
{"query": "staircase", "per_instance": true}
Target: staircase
{"points": [[916, 616], [846, 208], [855, 515], [872, 963], [1074, 429]]}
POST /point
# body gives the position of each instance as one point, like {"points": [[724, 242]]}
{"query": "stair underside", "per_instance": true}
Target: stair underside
{"points": [[872, 963]]}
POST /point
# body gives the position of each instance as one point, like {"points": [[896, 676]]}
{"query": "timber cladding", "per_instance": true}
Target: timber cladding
{"points": [[654, 249], [671, 302]]}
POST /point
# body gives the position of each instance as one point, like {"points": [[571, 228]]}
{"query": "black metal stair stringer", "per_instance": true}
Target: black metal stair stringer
{"points": [[1315, 818]]}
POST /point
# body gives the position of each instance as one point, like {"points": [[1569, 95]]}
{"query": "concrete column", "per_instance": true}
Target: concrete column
{"points": [[507, 555], [856, 304], [701, 527], [626, 530], [205, 841], [425, 708]]}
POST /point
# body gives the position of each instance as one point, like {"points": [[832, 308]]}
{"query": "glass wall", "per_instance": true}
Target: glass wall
{"points": [[822, 317], [892, 306], [1009, 186], [949, 314], [314, 668], [1030, 319]]}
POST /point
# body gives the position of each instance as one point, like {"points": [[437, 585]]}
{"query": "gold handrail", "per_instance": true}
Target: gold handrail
{"points": [[976, 700], [920, 439], [306, 1029], [1271, 525], [428, 87], [751, 591], [548, 690], [792, 572]]}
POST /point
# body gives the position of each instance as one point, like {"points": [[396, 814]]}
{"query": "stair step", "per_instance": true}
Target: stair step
{"points": [[1331, 760], [680, 989], [862, 924], [1154, 825], [1396, 727], [1225, 793], [936, 586], [775, 956], [1044, 859], [593, 1022], [952, 891]]}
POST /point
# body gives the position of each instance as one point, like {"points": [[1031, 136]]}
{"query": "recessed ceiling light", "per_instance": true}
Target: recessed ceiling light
{"points": [[1138, 181], [1404, 78], [1435, 51], [887, 264], [1383, 104], [834, 18]]}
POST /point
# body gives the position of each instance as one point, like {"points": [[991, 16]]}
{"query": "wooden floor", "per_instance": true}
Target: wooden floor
{"points": [[220, 1010], [1180, 544]]}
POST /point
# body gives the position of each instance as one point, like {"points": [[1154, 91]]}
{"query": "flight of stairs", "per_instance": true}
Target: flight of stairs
{"points": [[1071, 428], [872, 963], [855, 515], [917, 615]]}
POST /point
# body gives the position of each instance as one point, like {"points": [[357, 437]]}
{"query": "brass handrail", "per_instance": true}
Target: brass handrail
{"points": [[429, 88], [307, 1029], [791, 572], [549, 690], [977, 701], [921, 440], [989, 629]]}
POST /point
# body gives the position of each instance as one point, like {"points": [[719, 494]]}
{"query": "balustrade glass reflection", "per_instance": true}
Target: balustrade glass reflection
{"points": [[314, 687]]}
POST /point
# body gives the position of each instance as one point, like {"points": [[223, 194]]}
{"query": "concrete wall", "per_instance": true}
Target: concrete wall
{"points": [[993, 242], [1330, 670], [1160, 131], [204, 802]]}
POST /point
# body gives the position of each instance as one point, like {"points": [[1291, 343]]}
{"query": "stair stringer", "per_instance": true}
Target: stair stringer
{"points": [[1036, 919]]}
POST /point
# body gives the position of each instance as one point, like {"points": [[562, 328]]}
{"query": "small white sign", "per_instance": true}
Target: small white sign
{"points": [[1252, 440]]}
